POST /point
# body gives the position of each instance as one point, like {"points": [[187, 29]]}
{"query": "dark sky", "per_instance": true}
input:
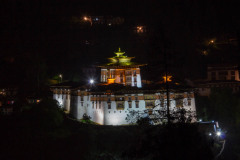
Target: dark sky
{"points": [[34, 30]]}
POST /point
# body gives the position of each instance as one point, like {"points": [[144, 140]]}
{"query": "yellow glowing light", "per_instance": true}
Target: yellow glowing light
{"points": [[205, 52], [85, 18], [168, 78], [139, 29], [124, 60], [89, 19], [110, 81], [119, 53]]}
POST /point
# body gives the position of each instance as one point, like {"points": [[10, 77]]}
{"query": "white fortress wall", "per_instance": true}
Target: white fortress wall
{"points": [[139, 81]]}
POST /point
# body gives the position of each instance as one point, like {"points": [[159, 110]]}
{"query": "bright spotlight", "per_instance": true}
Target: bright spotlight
{"points": [[210, 134], [218, 133], [91, 81]]}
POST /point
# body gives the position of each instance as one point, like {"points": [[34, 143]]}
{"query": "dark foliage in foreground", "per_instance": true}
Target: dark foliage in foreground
{"points": [[178, 141], [43, 132]]}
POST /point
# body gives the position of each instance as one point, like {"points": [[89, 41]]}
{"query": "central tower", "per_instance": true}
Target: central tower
{"points": [[121, 70]]}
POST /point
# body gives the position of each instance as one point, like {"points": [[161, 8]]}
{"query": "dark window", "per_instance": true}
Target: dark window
{"points": [[213, 75], [129, 79], [189, 102], [129, 105], [137, 105], [109, 106]]}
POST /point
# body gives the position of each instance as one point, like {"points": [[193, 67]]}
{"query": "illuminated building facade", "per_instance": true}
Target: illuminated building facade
{"points": [[111, 102], [122, 71], [113, 107]]}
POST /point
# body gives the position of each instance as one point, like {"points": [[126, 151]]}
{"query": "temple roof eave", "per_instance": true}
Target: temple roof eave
{"points": [[113, 66], [121, 57]]}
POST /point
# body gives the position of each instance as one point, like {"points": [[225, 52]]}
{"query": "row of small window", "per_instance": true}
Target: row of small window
{"points": [[115, 112], [129, 79], [120, 105], [122, 99], [67, 97], [97, 106]]}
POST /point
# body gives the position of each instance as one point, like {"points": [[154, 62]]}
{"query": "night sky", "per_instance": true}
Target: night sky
{"points": [[40, 39]]}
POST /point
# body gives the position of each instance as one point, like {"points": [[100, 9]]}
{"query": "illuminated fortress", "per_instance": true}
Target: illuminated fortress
{"points": [[111, 101], [121, 70]]}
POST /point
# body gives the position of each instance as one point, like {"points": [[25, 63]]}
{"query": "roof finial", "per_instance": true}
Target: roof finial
{"points": [[119, 49]]}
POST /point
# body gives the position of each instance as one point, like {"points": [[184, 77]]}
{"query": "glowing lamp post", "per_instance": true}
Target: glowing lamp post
{"points": [[218, 133], [60, 76], [88, 19], [91, 82], [139, 29]]}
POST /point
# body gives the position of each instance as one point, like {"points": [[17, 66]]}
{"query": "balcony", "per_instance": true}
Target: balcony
{"points": [[120, 106], [119, 99]]}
